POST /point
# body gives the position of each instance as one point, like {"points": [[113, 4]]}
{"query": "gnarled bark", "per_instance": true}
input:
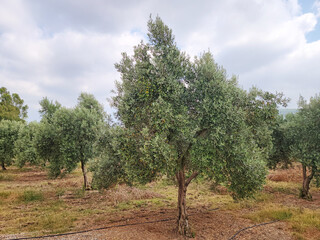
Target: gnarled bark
{"points": [[182, 222], [306, 183], [183, 225]]}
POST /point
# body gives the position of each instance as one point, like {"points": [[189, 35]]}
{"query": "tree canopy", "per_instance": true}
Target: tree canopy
{"points": [[303, 130], [11, 106], [68, 136], [25, 148], [9, 131], [184, 117]]}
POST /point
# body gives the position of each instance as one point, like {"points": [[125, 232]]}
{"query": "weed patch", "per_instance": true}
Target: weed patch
{"points": [[79, 193], [272, 212], [31, 196], [4, 195]]}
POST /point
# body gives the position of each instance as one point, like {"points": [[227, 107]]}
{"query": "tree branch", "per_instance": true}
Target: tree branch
{"points": [[313, 171], [193, 175], [201, 132], [198, 134]]}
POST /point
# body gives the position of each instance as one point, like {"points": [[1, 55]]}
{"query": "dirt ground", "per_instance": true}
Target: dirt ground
{"points": [[206, 225], [140, 223]]}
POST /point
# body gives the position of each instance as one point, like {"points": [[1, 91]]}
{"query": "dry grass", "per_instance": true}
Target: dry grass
{"points": [[125, 193], [293, 174]]}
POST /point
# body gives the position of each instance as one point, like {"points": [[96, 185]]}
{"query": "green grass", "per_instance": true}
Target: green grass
{"points": [[31, 196], [305, 219], [4, 195], [78, 193], [271, 212], [300, 219]]}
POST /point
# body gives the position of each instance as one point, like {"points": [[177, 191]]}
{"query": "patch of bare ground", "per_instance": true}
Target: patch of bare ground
{"points": [[292, 174], [292, 200]]}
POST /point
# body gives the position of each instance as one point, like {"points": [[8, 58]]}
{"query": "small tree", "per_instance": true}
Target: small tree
{"points": [[25, 148], [304, 127], [11, 106], [184, 118], [69, 135], [8, 135], [47, 141], [282, 142]]}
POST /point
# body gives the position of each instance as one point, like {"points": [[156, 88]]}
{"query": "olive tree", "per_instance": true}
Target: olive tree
{"points": [[304, 131], [8, 135], [281, 140], [108, 166], [47, 141], [25, 148], [69, 135], [186, 118]]}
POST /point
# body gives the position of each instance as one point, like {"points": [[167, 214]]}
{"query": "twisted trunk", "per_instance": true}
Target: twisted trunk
{"points": [[183, 225], [306, 183], [182, 222]]}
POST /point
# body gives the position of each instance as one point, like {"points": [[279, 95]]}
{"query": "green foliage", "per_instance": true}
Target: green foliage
{"points": [[47, 142], [8, 135], [68, 136], [11, 106], [304, 127], [108, 168], [179, 114], [48, 108], [25, 148], [282, 141]]}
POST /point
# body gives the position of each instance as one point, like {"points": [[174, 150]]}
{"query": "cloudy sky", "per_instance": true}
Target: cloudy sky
{"points": [[59, 48]]}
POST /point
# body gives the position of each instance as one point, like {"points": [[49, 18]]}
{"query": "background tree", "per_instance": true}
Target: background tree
{"points": [[68, 136], [24, 147], [281, 140], [47, 141], [8, 135], [108, 167], [184, 118], [11, 106], [304, 128], [48, 108]]}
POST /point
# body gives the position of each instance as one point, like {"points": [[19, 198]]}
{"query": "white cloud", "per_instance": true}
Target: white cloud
{"points": [[58, 48]]}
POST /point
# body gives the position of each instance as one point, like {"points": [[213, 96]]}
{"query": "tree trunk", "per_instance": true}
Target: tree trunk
{"points": [[306, 183], [2, 165], [183, 226], [85, 179]]}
